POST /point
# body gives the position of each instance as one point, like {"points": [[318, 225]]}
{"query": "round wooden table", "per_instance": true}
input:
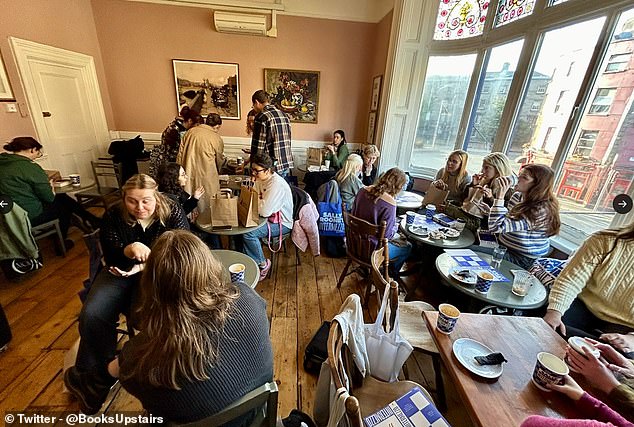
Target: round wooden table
{"points": [[465, 239], [500, 293], [233, 231], [251, 272]]}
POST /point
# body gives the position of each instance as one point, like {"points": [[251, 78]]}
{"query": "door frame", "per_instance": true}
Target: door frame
{"points": [[26, 52]]}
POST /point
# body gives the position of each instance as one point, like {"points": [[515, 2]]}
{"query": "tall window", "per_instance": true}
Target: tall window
{"points": [[618, 62], [585, 143], [602, 101]]}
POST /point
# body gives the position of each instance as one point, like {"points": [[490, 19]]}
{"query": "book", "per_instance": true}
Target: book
{"points": [[443, 219], [61, 183], [412, 409]]}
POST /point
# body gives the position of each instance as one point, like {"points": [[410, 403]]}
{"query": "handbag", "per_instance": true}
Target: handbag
{"points": [[387, 351], [276, 218], [331, 217]]}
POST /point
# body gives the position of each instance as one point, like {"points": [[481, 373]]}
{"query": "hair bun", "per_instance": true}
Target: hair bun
{"points": [[8, 146]]}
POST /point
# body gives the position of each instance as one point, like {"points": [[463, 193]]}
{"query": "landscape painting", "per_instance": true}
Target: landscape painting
{"points": [[295, 92]]}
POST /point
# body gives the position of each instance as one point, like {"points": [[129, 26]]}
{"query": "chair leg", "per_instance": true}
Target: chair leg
{"points": [[61, 239], [368, 292], [344, 273], [440, 385]]}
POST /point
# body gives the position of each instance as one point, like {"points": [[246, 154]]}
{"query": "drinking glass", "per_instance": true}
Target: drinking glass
{"points": [[498, 256]]}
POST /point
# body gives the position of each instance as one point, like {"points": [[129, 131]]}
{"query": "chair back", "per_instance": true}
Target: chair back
{"points": [[106, 173], [380, 275], [362, 238]]}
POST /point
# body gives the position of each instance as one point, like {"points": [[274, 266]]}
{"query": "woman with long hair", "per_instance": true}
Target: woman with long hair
{"points": [[204, 341], [171, 181], [370, 153], [337, 151], [171, 139], [532, 215], [127, 234], [376, 204], [593, 295], [454, 177], [348, 179], [480, 193]]}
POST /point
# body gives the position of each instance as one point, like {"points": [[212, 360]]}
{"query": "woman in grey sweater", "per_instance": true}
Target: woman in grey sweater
{"points": [[348, 179]]}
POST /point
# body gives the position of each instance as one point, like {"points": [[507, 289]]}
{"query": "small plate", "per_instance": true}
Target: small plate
{"points": [[467, 279], [419, 231], [465, 349], [451, 233]]}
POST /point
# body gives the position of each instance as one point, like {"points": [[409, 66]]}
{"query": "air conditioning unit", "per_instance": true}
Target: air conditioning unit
{"points": [[240, 23]]}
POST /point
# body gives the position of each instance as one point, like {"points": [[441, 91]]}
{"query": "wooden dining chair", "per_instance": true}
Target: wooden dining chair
{"points": [[106, 173]]}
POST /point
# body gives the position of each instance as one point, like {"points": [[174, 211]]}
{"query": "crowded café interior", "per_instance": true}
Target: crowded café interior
{"points": [[292, 213]]}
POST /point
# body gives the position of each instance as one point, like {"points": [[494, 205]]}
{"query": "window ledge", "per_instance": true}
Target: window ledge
{"points": [[563, 245]]}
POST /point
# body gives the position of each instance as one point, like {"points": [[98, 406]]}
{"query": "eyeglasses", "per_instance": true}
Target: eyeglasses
{"points": [[40, 153], [255, 171]]}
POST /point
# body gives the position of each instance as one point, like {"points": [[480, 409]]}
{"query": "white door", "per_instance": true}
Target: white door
{"points": [[65, 104]]}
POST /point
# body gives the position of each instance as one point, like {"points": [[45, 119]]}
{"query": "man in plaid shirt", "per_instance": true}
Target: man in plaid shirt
{"points": [[271, 133]]}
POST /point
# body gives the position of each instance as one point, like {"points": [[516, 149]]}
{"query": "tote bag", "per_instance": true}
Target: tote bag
{"points": [[331, 217], [387, 352], [248, 207], [224, 210]]}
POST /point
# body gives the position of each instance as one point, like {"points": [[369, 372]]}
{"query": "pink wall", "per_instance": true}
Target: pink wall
{"points": [[67, 24], [139, 40]]}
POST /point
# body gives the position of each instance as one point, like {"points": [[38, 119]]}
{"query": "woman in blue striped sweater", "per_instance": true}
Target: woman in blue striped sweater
{"points": [[532, 215]]}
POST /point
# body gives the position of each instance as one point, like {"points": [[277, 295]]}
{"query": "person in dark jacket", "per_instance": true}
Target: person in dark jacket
{"points": [[171, 181], [369, 153]]}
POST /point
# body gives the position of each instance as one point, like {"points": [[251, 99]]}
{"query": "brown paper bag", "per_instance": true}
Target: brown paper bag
{"points": [[315, 156], [224, 210], [248, 207], [435, 196]]}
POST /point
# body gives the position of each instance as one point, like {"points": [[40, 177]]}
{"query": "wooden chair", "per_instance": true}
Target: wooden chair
{"points": [[102, 195], [412, 326], [263, 397], [368, 394], [48, 229], [361, 241]]}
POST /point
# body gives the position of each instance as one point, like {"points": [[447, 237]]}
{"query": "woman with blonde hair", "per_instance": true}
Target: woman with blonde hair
{"points": [[348, 179], [483, 185], [376, 204], [128, 232], [204, 341], [370, 153], [454, 177]]}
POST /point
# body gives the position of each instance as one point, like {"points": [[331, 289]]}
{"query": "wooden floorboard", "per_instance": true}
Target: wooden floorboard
{"points": [[301, 292]]}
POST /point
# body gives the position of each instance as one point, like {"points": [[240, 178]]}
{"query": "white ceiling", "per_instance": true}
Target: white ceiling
{"points": [[347, 10]]}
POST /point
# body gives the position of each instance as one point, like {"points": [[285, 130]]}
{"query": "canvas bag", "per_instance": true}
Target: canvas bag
{"points": [[315, 156], [248, 215], [331, 217], [387, 352], [435, 196], [224, 210]]}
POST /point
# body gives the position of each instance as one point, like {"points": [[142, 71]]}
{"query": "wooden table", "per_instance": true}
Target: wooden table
{"points": [[234, 231], [465, 239], [508, 400], [409, 200], [500, 293], [251, 272]]}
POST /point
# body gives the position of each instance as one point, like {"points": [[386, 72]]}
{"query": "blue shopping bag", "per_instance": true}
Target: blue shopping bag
{"points": [[331, 217]]}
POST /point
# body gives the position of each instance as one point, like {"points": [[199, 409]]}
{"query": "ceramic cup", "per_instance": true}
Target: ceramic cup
{"points": [[237, 272], [327, 164], [459, 224], [483, 282], [410, 217], [549, 369], [74, 179], [447, 318], [577, 344], [430, 211]]}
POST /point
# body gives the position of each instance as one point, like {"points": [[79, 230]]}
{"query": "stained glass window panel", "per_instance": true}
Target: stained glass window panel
{"points": [[512, 10], [460, 19]]}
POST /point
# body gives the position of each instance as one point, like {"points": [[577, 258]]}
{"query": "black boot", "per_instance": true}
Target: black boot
{"points": [[90, 389]]}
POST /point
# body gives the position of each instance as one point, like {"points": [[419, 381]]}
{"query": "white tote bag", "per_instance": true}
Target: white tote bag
{"points": [[386, 351]]}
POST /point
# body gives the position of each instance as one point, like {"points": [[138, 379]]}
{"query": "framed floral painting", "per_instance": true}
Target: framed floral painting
{"points": [[295, 92]]}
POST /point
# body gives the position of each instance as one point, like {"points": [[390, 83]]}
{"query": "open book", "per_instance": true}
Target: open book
{"points": [[411, 410]]}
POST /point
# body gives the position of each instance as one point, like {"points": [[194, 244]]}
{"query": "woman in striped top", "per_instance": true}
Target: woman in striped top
{"points": [[532, 215]]}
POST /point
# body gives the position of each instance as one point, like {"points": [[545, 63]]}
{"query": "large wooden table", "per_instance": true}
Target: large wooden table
{"points": [[508, 400]]}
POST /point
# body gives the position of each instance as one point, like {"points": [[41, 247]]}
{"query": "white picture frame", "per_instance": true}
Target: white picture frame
{"points": [[6, 93]]}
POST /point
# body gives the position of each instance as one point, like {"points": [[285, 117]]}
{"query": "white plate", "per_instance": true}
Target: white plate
{"points": [[451, 233], [465, 349], [419, 231], [471, 280]]}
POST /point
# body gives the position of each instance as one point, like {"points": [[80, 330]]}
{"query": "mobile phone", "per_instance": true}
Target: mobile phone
{"points": [[220, 227]]}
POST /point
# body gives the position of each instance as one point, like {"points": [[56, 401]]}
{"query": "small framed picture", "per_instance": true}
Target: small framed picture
{"points": [[371, 126], [376, 92], [6, 94]]}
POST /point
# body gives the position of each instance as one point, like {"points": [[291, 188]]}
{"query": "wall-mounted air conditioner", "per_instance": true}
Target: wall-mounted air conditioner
{"points": [[240, 23]]}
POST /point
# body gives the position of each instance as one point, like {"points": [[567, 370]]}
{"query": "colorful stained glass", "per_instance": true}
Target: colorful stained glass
{"points": [[460, 19], [512, 10]]}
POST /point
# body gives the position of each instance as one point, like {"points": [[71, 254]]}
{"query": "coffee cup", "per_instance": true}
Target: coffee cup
{"points": [[410, 217], [459, 224], [522, 283], [327, 164], [549, 369], [430, 211], [74, 179], [484, 279], [447, 318], [237, 272], [578, 344]]}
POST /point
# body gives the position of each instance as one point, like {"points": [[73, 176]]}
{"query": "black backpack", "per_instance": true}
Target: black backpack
{"points": [[317, 351], [5, 330]]}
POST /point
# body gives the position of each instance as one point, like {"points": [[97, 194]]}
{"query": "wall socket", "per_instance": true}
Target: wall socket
{"points": [[11, 108]]}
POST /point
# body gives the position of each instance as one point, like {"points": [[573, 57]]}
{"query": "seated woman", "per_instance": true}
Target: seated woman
{"points": [[369, 153], [594, 291], [274, 197], [214, 349], [171, 181], [482, 185], [348, 179], [376, 204], [338, 150], [27, 184], [532, 215], [128, 232], [454, 177]]}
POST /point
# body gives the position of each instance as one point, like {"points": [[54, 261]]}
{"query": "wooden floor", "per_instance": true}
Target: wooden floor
{"points": [[42, 310]]}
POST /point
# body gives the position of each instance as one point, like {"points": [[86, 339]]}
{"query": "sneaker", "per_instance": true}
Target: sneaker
{"points": [[23, 266], [89, 389], [264, 271]]}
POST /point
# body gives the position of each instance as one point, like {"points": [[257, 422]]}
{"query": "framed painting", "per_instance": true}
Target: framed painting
{"points": [[295, 92], [376, 93], [371, 127], [208, 87], [6, 94]]}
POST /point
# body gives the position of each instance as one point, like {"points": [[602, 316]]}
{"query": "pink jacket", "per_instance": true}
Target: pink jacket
{"points": [[305, 231]]}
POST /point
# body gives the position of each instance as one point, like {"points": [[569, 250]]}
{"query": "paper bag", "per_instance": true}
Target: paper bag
{"points": [[224, 210], [435, 196], [248, 207], [315, 156]]}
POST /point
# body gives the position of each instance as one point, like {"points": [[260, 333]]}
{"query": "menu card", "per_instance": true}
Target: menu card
{"points": [[471, 261], [411, 410]]}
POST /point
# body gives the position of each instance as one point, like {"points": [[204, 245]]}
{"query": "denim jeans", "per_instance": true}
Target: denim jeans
{"points": [[251, 240], [398, 255], [109, 295]]}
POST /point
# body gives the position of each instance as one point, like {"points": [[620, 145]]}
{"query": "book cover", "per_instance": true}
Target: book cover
{"points": [[410, 410]]}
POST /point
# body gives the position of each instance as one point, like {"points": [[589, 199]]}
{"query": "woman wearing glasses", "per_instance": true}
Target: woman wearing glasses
{"points": [[28, 185], [275, 202]]}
